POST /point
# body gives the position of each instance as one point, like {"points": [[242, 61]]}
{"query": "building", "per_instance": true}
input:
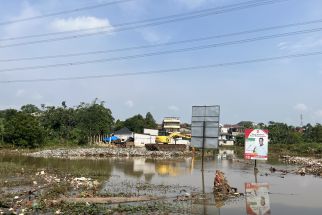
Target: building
{"points": [[235, 130], [152, 132], [139, 140], [171, 124], [124, 134], [225, 136]]}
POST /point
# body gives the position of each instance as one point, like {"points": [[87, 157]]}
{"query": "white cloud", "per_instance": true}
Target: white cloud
{"points": [[20, 92], [22, 28], [300, 45], [318, 113], [173, 108], [79, 23], [300, 107], [129, 103]]}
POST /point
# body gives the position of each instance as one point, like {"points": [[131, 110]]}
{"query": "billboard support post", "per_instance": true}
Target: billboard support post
{"points": [[203, 146]]}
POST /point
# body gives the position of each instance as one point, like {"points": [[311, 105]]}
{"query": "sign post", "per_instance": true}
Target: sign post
{"points": [[256, 145], [205, 128]]}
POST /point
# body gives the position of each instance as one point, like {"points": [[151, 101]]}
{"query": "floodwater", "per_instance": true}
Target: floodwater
{"points": [[287, 194]]}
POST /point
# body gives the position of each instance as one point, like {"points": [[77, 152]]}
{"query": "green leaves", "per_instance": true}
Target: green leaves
{"points": [[23, 130], [137, 123]]}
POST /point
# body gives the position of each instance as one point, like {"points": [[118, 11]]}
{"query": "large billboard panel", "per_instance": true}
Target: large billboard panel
{"points": [[205, 126], [257, 199], [256, 144]]}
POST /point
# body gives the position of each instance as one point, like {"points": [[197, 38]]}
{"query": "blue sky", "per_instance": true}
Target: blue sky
{"points": [[276, 90]]}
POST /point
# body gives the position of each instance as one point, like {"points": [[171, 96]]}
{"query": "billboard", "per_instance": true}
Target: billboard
{"points": [[257, 199], [256, 144], [205, 126]]}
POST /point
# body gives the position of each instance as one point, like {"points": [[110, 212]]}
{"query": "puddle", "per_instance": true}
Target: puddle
{"points": [[290, 194]]}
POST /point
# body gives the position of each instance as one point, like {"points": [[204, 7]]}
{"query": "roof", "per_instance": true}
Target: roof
{"points": [[232, 126], [123, 131]]}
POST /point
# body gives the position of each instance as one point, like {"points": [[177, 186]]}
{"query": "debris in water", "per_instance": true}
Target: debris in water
{"points": [[222, 189]]}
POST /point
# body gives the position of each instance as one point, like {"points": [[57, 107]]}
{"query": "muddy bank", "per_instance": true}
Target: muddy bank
{"points": [[108, 152], [52, 193], [310, 166]]}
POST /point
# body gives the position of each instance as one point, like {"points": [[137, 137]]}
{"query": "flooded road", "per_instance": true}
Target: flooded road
{"points": [[288, 194]]}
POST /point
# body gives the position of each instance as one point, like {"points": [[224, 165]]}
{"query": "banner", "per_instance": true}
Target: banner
{"points": [[257, 199], [256, 144]]}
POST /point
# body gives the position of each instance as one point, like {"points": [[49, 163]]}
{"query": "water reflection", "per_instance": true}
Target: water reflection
{"points": [[257, 199], [291, 194]]}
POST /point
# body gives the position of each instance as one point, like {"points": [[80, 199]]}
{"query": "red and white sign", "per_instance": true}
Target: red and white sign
{"points": [[257, 199], [256, 144]]}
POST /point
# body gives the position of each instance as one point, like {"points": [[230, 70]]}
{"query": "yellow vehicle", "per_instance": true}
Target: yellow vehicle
{"points": [[166, 139]]}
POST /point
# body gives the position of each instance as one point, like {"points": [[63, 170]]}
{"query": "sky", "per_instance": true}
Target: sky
{"points": [[279, 90]]}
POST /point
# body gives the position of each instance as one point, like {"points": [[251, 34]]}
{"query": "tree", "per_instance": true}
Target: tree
{"points": [[58, 122], [118, 125], [283, 134], [1, 130], [94, 119], [23, 130], [30, 108], [135, 123], [317, 133], [150, 122]]}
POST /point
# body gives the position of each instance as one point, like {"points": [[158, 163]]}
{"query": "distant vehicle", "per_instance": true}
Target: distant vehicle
{"points": [[166, 139], [111, 139], [118, 142]]}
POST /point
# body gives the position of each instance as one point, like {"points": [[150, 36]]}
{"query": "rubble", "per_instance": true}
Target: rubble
{"points": [[108, 152], [222, 189], [310, 166]]}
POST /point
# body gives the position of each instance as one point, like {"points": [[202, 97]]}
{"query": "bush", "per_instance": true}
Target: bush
{"points": [[23, 130]]}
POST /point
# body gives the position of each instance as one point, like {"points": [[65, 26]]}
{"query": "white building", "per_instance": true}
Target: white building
{"points": [[171, 124], [152, 132], [141, 139], [225, 136]]}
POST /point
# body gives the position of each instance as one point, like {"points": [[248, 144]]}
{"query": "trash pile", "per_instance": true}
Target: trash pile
{"points": [[83, 182], [309, 165], [108, 152], [222, 189]]}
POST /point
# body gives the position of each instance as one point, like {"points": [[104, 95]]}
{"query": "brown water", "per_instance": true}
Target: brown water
{"points": [[289, 194]]}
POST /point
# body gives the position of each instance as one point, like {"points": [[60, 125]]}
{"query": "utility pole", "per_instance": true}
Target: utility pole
{"points": [[301, 118]]}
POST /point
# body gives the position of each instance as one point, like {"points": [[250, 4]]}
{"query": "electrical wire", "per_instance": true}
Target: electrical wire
{"points": [[115, 29], [187, 49], [192, 68], [166, 44], [63, 12]]}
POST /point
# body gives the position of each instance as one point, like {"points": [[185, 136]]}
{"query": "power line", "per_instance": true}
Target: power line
{"points": [[63, 12], [187, 49], [231, 6], [226, 64], [170, 43], [115, 29]]}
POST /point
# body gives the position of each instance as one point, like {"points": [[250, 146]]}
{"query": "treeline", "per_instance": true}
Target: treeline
{"points": [[33, 126], [281, 133]]}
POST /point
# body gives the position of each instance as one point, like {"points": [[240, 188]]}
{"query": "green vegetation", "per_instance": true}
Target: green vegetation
{"points": [[277, 150], [137, 123], [52, 126], [287, 140], [281, 133]]}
